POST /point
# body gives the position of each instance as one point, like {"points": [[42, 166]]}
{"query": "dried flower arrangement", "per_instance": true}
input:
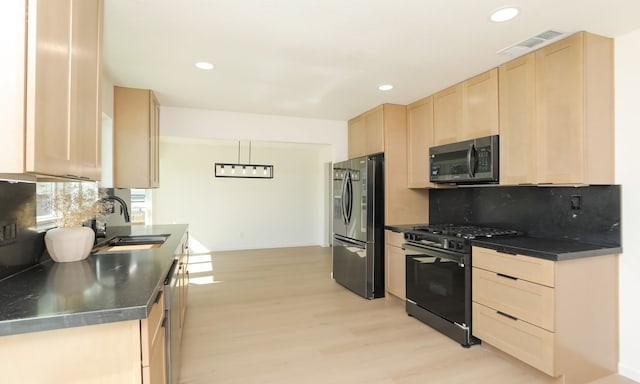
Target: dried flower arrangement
{"points": [[76, 202]]}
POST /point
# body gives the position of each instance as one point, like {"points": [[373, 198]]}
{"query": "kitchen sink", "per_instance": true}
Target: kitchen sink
{"points": [[131, 243], [137, 240]]}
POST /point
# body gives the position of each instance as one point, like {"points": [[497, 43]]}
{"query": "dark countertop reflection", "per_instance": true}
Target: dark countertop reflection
{"points": [[105, 287]]}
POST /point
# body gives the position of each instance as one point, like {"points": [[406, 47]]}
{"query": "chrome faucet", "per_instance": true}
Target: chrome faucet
{"points": [[123, 204]]}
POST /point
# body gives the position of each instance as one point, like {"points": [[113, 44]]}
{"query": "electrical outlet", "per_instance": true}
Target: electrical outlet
{"points": [[8, 231], [576, 202]]}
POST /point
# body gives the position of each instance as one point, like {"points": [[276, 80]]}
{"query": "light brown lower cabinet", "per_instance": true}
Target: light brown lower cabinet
{"points": [[124, 352], [395, 265], [154, 369], [560, 317]]}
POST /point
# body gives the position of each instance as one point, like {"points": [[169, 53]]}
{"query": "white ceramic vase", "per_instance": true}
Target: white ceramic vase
{"points": [[69, 243]]}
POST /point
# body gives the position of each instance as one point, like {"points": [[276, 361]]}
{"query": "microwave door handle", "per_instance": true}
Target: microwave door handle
{"points": [[471, 160]]}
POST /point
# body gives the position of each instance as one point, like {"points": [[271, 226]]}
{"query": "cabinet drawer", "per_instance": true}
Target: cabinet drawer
{"points": [[151, 327], [522, 267], [393, 238], [533, 303], [524, 341]]}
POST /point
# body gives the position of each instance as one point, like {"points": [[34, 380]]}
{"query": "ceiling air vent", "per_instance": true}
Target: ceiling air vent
{"points": [[530, 43]]}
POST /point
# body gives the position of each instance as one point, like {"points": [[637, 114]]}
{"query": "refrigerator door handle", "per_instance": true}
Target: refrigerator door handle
{"points": [[349, 200], [343, 199]]}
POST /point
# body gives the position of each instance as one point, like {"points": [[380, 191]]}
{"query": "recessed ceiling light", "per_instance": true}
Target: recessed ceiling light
{"points": [[385, 87], [504, 14], [204, 65]]}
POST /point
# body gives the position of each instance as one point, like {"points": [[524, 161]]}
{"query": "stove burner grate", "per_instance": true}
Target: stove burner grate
{"points": [[466, 231]]}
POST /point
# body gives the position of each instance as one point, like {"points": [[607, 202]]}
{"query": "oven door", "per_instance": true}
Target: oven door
{"points": [[437, 281]]}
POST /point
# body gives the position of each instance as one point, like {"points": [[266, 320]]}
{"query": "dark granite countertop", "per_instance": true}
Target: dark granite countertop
{"points": [[105, 287], [402, 227], [546, 248]]}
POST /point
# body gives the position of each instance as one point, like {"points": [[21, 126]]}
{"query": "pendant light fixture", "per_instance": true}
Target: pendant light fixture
{"points": [[246, 171]]}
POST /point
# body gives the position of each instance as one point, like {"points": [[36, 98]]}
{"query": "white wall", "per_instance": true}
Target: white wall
{"points": [[232, 213], [220, 125], [627, 85]]}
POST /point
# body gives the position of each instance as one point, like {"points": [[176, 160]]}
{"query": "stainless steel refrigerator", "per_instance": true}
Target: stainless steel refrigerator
{"points": [[358, 225]]}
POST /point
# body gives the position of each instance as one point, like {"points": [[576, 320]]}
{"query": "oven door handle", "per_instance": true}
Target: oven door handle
{"points": [[461, 259]]}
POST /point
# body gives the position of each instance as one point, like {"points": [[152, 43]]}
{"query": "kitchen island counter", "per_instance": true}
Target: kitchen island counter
{"points": [[106, 287]]}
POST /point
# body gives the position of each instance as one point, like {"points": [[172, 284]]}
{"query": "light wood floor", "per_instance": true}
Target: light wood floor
{"points": [[276, 316]]}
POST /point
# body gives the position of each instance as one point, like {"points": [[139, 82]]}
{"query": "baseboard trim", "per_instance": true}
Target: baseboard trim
{"points": [[632, 373]]}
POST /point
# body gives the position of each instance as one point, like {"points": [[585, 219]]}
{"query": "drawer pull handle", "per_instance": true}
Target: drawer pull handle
{"points": [[505, 251], [157, 300], [506, 315], [506, 276], [164, 322]]}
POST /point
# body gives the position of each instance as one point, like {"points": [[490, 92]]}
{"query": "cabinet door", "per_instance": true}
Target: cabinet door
{"points": [[374, 122], [156, 371], [480, 106], [62, 96], [447, 111], [560, 107], [85, 108], [518, 138], [395, 269], [12, 78], [154, 141], [135, 138], [183, 276], [47, 130], [357, 137], [419, 139]]}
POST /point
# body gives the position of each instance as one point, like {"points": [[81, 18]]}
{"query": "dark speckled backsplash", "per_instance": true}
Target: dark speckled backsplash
{"points": [[537, 211], [18, 218]]}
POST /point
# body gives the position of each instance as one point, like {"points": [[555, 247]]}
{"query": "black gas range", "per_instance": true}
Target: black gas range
{"points": [[453, 237], [438, 264]]}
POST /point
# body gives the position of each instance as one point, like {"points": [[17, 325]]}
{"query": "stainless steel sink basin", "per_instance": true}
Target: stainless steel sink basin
{"points": [[137, 240], [131, 243]]}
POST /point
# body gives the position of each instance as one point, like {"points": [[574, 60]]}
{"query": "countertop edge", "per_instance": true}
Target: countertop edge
{"points": [[598, 250]]}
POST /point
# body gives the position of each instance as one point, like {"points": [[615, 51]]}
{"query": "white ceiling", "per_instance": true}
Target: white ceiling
{"points": [[325, 58]]}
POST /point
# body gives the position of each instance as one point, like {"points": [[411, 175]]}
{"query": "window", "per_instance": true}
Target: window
{"points": [[45, 193], [140, 206]]}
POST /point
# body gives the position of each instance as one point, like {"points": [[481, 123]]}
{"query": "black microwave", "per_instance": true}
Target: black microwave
{"points": [[466, 162]]}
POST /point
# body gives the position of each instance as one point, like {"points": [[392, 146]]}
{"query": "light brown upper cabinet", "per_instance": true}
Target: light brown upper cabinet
{"points": [[54, 121], [402, 205], [384, 129], [419, 139], [366, 133], [447, 114], [556, 114], [480, 105], [574, 110], [136, 130], [357, 137], [518, 139], [467, 110]]}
